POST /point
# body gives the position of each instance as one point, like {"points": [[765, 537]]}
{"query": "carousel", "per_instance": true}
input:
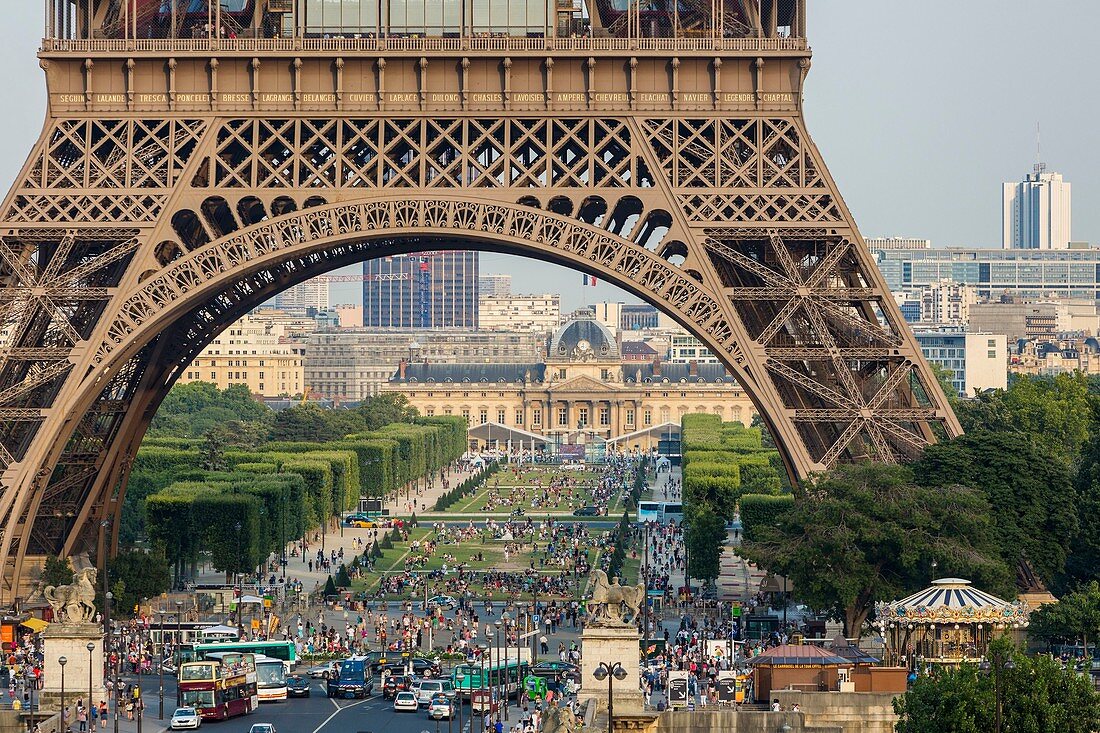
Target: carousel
{"points": [[949, 623]]}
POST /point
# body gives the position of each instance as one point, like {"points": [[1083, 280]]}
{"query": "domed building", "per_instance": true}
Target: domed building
{"points": [[582, 392]]}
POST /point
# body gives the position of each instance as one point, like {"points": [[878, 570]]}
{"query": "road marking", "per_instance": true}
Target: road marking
{"points": [[338, 711]]}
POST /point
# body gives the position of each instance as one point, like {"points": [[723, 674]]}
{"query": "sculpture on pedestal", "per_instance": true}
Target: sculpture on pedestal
{"points": [[560, 720], [608, 599], [74, 603]]}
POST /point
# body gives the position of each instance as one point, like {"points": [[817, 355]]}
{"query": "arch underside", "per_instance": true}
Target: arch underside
{"points": [[128, 244]]}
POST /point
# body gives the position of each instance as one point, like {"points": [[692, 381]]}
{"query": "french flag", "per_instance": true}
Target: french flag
{"points": [[589, 280]]}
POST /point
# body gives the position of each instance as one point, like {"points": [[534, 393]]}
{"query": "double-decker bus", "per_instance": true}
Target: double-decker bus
{"points": [[505, 674], [282, 650], [219, 687], [270, 679]]}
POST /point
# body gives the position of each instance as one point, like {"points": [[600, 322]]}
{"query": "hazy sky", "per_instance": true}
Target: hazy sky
{"points": [[920, 107]]}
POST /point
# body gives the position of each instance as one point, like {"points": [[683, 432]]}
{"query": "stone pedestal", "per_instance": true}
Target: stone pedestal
{"points": [[612, 644], [71, 641]]}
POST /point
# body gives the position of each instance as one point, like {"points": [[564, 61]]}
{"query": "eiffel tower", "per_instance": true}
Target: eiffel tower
{"points": [[198, 157]]}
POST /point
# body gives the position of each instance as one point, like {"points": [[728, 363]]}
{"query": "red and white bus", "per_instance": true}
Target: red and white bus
{"points": [[222, 686]]}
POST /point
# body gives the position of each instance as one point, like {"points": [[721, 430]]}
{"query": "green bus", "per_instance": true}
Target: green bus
{"points": [[282, 650], [507, 674]]}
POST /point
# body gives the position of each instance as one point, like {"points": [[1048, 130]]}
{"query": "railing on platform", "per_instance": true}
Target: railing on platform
{"points": [[419, 44]]}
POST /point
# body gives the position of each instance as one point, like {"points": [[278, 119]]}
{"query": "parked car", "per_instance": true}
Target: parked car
{"points": [[553, 668], [185, 719], [420, 667], [322, 671], [428, 689], [441, 707], [405, 701], [298, 686], [396, 683], [587, 511]]}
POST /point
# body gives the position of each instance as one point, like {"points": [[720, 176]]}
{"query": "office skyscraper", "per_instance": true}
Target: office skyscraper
{"points": [[495, 286], [303, 296], [433, 290], [1037, 212]]}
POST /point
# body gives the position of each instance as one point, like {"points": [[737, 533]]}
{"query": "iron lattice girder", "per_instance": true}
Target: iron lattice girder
{"points": [[131, 239]]}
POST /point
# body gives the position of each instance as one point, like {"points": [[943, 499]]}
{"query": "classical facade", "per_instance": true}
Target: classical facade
{"points": [[583, 389], [254, 352]]}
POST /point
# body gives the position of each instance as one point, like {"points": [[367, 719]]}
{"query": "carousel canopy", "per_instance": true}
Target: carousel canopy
{"points": [[952, 601], [800, 655]]}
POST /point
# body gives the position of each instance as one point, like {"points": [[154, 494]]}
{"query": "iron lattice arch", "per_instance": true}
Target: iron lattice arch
{"points": [[128, 243]]}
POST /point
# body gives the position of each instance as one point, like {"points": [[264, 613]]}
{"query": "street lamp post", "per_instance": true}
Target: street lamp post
{"points": [[610, 672], [497, 688], [160, 668], [240, 584], [645, 584], [91, 648], [62, 661], [998, 693]]}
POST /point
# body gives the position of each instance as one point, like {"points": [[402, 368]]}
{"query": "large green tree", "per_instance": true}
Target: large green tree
{"points": [[1074, 618], [56, 571], [1037, 694], [704, 536], [189, 410], [1028, 484], [1054, 411], [137, 575], [384, 409], [311, 423], [867, 533], [1083, 563]]}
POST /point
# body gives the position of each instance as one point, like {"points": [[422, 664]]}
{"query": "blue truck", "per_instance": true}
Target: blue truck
{"points": [[352, 679]]}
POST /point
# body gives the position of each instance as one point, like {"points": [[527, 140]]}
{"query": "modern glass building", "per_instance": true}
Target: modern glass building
{"points": [[1070, 273], [430, 290]]}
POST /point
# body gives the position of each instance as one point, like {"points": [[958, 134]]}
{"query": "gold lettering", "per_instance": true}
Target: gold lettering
{"points": [[236, 98], [696, 98], [651, 97], [193, 98], [152, 98], [314, 98], [739, 97], [395, 97], [609, 97], [72, 99], [570, 97], [445, 97], [530, 97], [488, 97], [778, 97], [110, 98], [277, 97], [361, 97]]}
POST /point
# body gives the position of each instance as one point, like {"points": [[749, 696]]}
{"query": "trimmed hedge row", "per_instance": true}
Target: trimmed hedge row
{"points": [[760, 510]]}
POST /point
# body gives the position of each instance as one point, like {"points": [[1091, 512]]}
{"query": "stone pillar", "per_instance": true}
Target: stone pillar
{"points": [[71, 641], [611, 644]]}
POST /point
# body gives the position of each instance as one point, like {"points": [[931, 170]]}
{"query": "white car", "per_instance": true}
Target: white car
{"points": [[323, 671], [262, 728], [405, 701], [185, 719]]}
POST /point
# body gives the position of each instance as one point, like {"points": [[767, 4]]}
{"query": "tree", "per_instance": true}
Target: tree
{"points": [[867, 533], [703, 538], [1054, 411], [945, 376], [313, 424], [139, 576], [1083, 563], [189, 410], [1075, 617], [330, 588], [1028, 486], [381, 410], [56, 571], [214, 442], [343, 580], [1037, 695]]}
